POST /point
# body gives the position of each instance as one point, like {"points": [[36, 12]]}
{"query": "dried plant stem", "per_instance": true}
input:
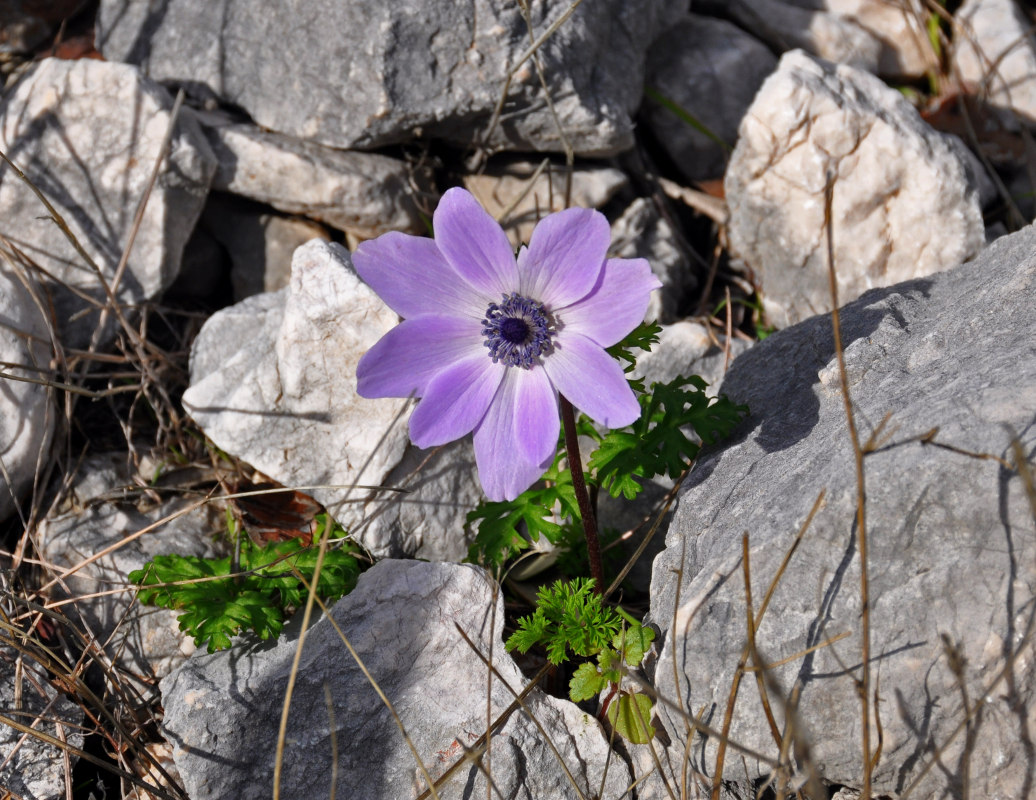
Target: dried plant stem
{"points": [[586, 511], [861, 498]]}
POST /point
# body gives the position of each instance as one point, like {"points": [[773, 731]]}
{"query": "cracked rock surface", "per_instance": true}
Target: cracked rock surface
{"points": [[404, 620], [905, 202], [951, 537]]}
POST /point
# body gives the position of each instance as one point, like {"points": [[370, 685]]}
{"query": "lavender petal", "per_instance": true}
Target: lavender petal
{"points": [[474, 244], [591, 380], [565, 256], [617, 303]]}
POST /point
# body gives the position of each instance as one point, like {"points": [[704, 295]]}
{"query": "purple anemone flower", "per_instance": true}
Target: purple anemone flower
{"points": [[488, 341]]}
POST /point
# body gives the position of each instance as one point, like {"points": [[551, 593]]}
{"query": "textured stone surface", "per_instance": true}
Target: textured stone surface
{"points": [[223, 711], [364, 193], [508, 192], [26, 415], [712, 69], [259, 244], [367, 73], [815, 25], [142, 641], [37, 770], [995, 52], [905, 204], [88, 133], [641, 232], [951, 538], [273, 382], [785, 25]]}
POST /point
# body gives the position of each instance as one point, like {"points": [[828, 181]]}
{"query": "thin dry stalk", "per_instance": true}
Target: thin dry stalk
{"points": [[861, 496]]}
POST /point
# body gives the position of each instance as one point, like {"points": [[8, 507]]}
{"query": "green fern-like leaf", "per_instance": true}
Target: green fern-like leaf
{"points": [[656, 444]]}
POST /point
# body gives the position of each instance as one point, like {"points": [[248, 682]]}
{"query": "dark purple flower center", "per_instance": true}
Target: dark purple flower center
{"points": [[517, 331]]}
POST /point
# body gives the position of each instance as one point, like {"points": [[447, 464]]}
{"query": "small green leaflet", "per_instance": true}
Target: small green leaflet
{"points": [[655, 444], [630, 715], [214, 606]]}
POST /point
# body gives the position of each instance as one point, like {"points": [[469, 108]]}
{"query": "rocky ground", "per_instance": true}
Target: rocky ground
{"points": [[182, 185]]}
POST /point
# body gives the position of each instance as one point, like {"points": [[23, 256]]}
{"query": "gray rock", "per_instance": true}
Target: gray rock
{"points": [[686, 348], [222, 711], [363, 74], [260, 244], [996, 53], [26, 414], [66, 125], [273, 382], [641, 232], [905, 204], [36, 770], [364, 193], [509, 192], [903, 50], [951, 537], [787, 25], [142, 641], [711, 69]]}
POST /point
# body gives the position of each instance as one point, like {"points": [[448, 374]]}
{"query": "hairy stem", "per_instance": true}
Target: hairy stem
{"points": [[586, 510]]}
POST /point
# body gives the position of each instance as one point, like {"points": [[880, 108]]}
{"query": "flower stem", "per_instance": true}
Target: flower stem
{"points": [[586, 510]]}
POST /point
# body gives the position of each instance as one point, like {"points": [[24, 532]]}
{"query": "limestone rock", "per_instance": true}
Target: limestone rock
{"points": [[785, 25], [641, 232], [143, 641], [67, 126], [26, 414], [711, 69], [222, 711], [905, 204], [951, 537], [36, 770], [364, 193], [273, 382], [260, 244], [996, 53], [365, 73], [511, 195]]}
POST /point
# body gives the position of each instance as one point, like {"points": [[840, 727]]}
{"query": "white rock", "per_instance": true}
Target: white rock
{"points": [[904, 203], [88, 134], [26, 414], [273, 382], [996, 53], [905, 49], [363, 193], [499, 189]]}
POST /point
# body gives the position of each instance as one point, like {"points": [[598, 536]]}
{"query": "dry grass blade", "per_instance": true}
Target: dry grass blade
{"points": [[519, 699], [861, 495]]}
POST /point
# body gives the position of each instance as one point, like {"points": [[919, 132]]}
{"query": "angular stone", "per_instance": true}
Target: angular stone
{"points": [[36, 770], [66, 126], [509, 193], [905, 49], [273, 382], [786, 25], [363, 74], [951, 537], [905, 204], [260, 244], [711, 69], [142, 641], [404, 619], [641, 232], [366, 194], [996, 53], [88, 133], [27, 416]]}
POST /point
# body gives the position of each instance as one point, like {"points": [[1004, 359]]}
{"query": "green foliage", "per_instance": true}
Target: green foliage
{"points": [[630, 715], [656, 444], [215, 605], [499, 524], [640, 338], [569, 616]]}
